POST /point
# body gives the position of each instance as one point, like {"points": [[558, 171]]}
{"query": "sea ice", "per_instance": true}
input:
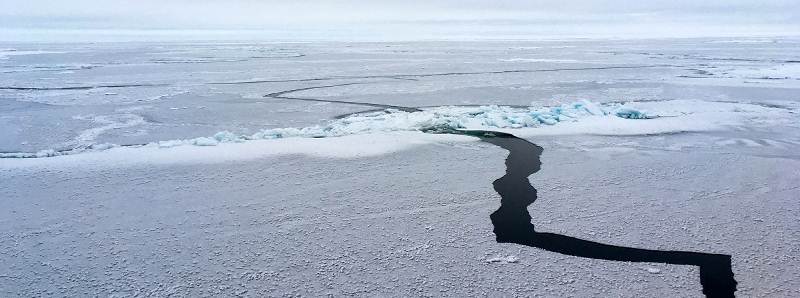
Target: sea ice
{"points": [[653, 270], [581, 117], [503, 260]]}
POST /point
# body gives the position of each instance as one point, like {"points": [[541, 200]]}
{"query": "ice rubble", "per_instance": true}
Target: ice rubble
{"points": [[432, 119], [503, 260]]}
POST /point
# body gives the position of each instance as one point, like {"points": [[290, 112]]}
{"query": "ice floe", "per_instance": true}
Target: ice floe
{"points": [[583, 117], [503, 260], [451, 118]]}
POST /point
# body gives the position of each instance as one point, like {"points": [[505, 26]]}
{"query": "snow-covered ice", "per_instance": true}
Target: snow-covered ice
{"points": [[164, 168], [503, 260], [432, 119], [582, 117]]}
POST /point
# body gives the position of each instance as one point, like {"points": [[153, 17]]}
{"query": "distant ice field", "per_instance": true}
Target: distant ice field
{"points": [[73, 97]]}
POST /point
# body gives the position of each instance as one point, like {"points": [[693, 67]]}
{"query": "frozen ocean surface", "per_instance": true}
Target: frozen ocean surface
{"points": [[279, 169], [63, 96]]}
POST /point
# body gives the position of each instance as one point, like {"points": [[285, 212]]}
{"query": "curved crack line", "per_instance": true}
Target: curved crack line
{"points": [[379, 106], [279, 95], [425, 75], [512, 222]]}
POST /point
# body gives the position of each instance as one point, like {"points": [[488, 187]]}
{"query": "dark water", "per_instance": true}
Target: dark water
{"points": [[512, 222]]}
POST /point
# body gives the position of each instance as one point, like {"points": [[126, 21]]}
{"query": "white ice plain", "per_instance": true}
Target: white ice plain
{"points": [[198, 185]]}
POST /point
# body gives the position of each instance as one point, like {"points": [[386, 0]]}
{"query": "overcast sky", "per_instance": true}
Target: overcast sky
{"points": [[409, 19]]}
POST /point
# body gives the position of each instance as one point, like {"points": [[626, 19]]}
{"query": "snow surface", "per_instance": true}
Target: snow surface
{"points": [[539, 60], [583, 117], [210, 150], [210, 203], [6, 53]]}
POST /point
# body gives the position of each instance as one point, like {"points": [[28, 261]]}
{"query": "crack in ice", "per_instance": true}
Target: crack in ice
{"points": [[512, 222]]}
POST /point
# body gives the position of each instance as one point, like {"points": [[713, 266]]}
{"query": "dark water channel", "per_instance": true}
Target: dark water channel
{"points": [[512, 222]]}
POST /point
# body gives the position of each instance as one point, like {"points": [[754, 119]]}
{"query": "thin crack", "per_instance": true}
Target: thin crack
{"points": [[80, 87], [389, 76], [279, 95], [424, 75]]}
